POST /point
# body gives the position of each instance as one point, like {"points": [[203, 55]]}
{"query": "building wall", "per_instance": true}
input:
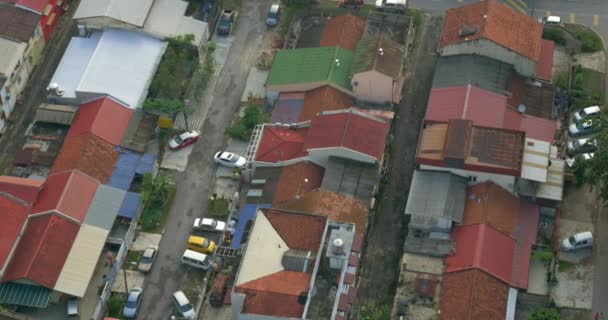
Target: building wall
{"points": [[484, 47], [505, 181], [35, 46], [100, 23], [321, 156], [373, 86]]}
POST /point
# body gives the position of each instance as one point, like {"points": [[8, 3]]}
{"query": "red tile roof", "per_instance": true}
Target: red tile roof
{"points": [[300, 231], [490, 204], [276, 294], [68, 192], [544, 68], [297, 179], [483, 247], [43, 250], [529, 215], [325, 98], [88, 153], [278, 144], [501, 24], [349, 129], [335, 206], [24, 189], [485, 108], [103, 117], [472, 295], [345, 31], [13, 214]]}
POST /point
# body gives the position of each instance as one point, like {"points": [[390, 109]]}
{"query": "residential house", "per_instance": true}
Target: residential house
{"points": [[471, 69], [49, 11], [112, 62], [294, 107], [159, 18], [62, 231], [345, 134], [301, 70], [343, 31], [492, 29], [303, 257], [377, 70], [21, 45], [435, 203], [493, 251]]}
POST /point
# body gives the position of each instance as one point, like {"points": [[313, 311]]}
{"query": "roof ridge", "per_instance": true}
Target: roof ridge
{"points": [[346, 127]]}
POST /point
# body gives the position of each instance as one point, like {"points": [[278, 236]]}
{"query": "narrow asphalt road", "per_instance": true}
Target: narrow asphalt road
{"points": [[195, 184]]}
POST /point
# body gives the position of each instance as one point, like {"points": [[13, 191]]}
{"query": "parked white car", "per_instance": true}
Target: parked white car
{"points": [[585, 156], [209, 224], [578, 241], [183, 305], [588, 112], [229, 159]]}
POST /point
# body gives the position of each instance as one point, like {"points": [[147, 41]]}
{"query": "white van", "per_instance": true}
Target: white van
{"points": [[398, 6], [196, 259], [552, 21], [578, 241], [183, 305]]}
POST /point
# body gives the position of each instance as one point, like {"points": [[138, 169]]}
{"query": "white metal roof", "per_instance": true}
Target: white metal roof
{"points": [[553, 188], [119, 63], [82, 259], [10, 53], [264, 252], [129, 11], [167, 19], [535, 160]]}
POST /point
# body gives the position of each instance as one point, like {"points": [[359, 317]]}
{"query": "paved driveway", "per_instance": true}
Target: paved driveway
{"points": [[194, 185]]}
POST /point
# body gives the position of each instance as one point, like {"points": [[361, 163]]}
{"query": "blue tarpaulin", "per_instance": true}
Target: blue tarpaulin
{"points": [[130, 205], [129, 164], [247, 213]]}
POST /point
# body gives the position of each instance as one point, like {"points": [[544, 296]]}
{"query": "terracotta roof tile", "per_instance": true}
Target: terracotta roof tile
{"points": [[502, 25], [490, 204], [472, 295], [349, 278], [88, 153], [335, 206], [276, 294], [278, 144], [297, 179], [353, 261], [544, 68], [103, 117], [43, 249], [24, 189], [344, 31], [13, 214], [343, 302], [325, 98], [299, 230]]}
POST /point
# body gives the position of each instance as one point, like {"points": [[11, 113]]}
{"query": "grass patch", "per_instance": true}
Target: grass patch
{"points": [[417, 16], [131, 260], [587, 88], [565, 265], [590, 41], [218, 208]]}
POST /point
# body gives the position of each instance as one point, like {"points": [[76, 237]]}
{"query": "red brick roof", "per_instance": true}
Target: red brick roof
{"points": [[276, 294], [335, 206], [24, 189], [297, 179], [501, 24], [278, 144], [483, 247], [88, 153], [103, 117], [13, 214], [42, 250], [348, 129], [472, 295], [68, 192], [325, 98], [299, 230], [544, 68], [490, 204], [345, 31]]}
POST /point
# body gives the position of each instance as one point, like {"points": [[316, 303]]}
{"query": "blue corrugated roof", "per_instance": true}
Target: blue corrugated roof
{"points": [[130, 205], [247, 213], [146, 163], [129, 164]]}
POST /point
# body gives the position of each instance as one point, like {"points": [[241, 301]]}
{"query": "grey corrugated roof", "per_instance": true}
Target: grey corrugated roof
{"points": [[483, 72], [350, 178], [436, 194], [104, 207], [55, 113]]}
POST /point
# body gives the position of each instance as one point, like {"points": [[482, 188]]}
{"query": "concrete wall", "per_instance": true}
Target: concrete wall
{"points": [[523, 65], [321, 156], [373, 86], [507, 182], [100, 23]]}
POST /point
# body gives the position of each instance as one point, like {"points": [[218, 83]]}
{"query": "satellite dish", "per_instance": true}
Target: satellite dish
{"points": [[521, 108]]}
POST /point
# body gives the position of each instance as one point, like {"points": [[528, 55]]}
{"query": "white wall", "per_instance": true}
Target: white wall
{"points": [[321, 156], [373, 86], [505, 181]]}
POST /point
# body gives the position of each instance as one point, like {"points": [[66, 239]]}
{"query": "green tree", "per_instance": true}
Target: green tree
{"points": [[155, 186], [377, 313], [597, 174], [544, 314], [163, 106], [243, 128]]}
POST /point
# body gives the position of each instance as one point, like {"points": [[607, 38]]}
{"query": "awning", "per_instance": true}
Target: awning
{"points": [[24, 295], [55, 113]]}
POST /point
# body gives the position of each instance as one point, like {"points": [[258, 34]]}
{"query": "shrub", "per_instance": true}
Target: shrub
{"points": [[557, 35], [243, 128], [590, 41], [545, 314], [218, 208], [115, 305]]}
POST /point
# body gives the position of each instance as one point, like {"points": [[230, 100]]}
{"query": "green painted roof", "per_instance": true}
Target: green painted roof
{"points": [[311, 65], [24, 295]]}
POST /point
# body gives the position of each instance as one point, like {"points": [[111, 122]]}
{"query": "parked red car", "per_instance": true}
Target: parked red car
{"points": [[183, 140]]}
